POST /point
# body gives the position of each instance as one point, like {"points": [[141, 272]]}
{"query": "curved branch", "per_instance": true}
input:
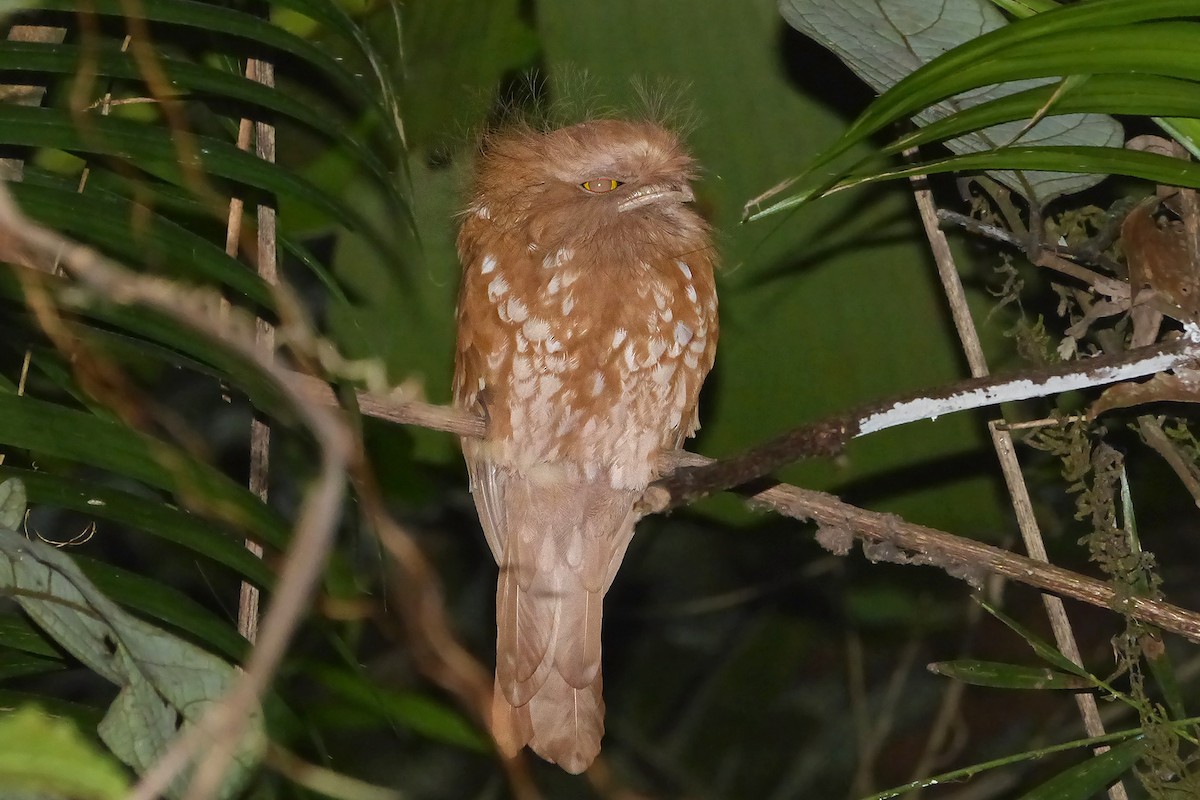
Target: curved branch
{"points": [[839, 524]]}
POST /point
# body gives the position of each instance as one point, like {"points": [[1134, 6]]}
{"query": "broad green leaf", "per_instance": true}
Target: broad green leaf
{"points": [[884, 42], [1007, 676], [1081, 39], [12, 504], [151, 598], [77, 436], [47, 757], [1091, 777], [162, 678], [162, 603], [991, 51], [443, 97]]}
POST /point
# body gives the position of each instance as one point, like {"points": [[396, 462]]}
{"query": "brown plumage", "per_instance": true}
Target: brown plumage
{"points": [[587, 321]]}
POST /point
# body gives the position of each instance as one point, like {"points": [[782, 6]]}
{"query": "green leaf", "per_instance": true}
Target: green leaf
{"points": [[179, 204], [231, 23], [157, 151], [334, 16], [1150, 166], [1116, 94], [150, 516], [77, 436], [442, 94], [162, 337], [184, 77], [883, 43], [417, 712], [1048, 653], [1184, 130], [992, 53], [12, 504], [47, 755], [1164, 675], [160, 602], [16, 633], [12, 6], [1084, 38], [161, 677], [140, 236], [85, 716], [22, 665], [1007, 676], [966, 773], [1088, 779]]}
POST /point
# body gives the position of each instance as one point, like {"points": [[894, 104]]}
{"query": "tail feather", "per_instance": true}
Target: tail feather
{"points": [[511, 726], [559, 546], [568, 723], [577, 649], [562, 724]]}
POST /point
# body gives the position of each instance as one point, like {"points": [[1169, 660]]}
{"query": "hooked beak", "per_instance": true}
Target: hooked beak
{"points": [[657, 193]]}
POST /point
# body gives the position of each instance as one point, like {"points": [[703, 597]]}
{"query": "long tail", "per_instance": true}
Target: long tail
{"points": [[562, 724], [562, 546]]}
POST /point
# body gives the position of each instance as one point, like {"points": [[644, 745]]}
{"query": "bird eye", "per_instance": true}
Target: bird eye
{"points": [[600, 185]]}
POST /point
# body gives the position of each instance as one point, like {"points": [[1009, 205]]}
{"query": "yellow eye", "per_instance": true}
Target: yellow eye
{"points": [[600, 185]]}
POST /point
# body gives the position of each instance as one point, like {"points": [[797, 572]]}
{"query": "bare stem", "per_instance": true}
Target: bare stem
{"points": [[1002, 441]]}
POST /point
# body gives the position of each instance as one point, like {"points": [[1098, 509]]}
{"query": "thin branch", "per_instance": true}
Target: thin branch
{"points": [[1151, 429], [887, 537], [830, 436], [1002, 442], [961, 557], [264, 333], [401, 411], [1047, 258], [325, 781]]}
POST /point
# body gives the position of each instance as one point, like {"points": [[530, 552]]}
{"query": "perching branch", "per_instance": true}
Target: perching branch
{"points": [[884, 537], [830, 436]]}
